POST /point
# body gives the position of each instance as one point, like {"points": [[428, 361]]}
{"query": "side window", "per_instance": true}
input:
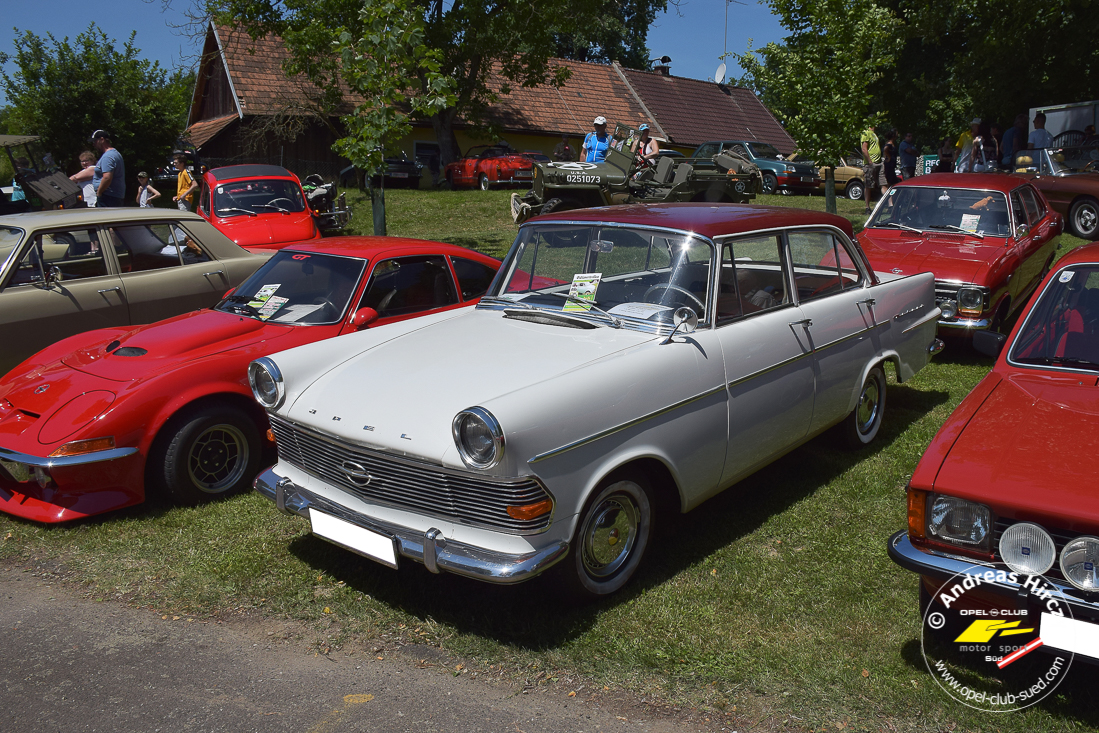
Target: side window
{"points": [[822, 266], [409, 285], [473, 277], [1017, 209], [706, 151], [1035, 209], [74, 252], [752, 279], [143, 247], [204, 200]]}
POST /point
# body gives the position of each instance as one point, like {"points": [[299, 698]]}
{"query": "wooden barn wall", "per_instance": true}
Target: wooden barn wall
{"points": [[217, 95]]}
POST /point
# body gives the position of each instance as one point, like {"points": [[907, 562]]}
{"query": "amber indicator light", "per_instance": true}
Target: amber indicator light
{"points": [[80, 447], [530, 511], [917, 506]]}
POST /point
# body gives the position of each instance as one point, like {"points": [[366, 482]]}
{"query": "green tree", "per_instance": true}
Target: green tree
{"points": [[64, 91], [818, 81], [618, 34], [380, 67]]}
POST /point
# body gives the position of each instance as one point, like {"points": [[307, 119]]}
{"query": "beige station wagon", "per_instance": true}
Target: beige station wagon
{"points": [[65, 272]]}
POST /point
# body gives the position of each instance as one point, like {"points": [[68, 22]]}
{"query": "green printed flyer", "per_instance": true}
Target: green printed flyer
{"points": [[583, 288]]}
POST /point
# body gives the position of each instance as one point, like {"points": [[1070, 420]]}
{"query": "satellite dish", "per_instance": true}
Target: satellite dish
{"points": [[719, 75]]}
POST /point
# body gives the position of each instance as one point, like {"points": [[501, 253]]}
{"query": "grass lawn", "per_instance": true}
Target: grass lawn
{"points": [[773, 606]]}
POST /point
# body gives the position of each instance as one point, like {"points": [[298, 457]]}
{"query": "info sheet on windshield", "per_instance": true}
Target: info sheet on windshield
{"points": [[583, 288]]}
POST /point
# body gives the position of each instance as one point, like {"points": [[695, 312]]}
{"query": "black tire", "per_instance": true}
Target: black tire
{"points": [[862, 425], [770, 183], [1083, 218], [601, 560], [482, 182], [205, 453], [551, 205], [854, 190]]}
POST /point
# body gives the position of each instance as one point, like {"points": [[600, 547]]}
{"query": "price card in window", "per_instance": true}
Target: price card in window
{"points": [[970, 222], [583, 288]]}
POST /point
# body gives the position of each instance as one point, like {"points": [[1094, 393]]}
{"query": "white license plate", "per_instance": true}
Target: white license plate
{"points": [[523, 174], [363, 541], [807, 179], [398, 175], [1065, 633]]}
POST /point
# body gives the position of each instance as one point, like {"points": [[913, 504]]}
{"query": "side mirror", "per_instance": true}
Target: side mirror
{"points": [[685, 320], [53, 275], [364, 317], [1021, 231], [989, 343]]}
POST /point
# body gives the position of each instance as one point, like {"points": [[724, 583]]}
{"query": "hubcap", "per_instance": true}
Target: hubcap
{"points": [[1086, 218], [609, 534], [218, 458], [867, 410]]}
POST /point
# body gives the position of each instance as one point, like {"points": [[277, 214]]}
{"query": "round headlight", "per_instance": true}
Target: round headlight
{"points": [[970, 299], [1080, 563], [266, 382], [949, 308], [479, 438], [1027, 549]]}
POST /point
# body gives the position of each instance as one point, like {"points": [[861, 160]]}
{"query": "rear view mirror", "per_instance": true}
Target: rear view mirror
{"points": [[53, 275], [685, 320], [989, 343], [364, 317], [1021, 231]]}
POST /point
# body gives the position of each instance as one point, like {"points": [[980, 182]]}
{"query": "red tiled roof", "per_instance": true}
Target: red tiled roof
{"points": [[204, 131], [692, 111]]}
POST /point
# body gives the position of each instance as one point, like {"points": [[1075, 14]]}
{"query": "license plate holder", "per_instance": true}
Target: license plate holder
{"points": [[365, 542]]}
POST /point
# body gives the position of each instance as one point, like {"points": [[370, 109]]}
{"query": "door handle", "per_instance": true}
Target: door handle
{"points": [[869, 301], [807, 323], [107, 290], [215, 272]]}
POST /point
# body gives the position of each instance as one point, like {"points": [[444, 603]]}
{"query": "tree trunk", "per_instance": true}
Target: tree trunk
{"points": [[443, 124], [377, 205], [830, 190]]}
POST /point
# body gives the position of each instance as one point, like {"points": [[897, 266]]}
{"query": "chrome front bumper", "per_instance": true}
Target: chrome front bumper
{"points": [[14, 464], [430, 548], [941, 567], [968, 324]]}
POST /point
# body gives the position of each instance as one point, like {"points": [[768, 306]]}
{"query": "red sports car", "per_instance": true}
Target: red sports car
{"points": [[1010, 478], [93, 422], [257, 206], [486, 166], [987, 238]]}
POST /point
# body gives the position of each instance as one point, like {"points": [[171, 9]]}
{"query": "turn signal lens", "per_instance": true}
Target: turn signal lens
{"points": [[917, 508], [80, 447], [530, 511]]}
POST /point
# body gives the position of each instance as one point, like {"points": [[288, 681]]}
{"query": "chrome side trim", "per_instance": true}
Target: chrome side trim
{"points": [[65, 461], [848, 337], [454, 557], [935, 313], [765, 370], [624, 426]]}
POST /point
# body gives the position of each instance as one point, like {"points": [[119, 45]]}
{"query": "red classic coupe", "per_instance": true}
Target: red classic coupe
{"points": [[987, 238], [93, 422], [1010, 478], [486, 166], [257, 206]]}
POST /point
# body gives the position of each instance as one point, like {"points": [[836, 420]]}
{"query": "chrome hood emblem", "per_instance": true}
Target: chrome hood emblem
{"points": [[41, 389], [356, 473]]}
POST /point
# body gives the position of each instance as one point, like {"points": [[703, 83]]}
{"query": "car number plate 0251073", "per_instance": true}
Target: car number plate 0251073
{"points": [[357, 539]]}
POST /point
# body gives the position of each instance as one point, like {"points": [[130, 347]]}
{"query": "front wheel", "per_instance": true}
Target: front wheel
{"points": [[1083, 218], [854, 190], [865, 420], [482, 182], [206, 453], [613, 532], [770, 183]]}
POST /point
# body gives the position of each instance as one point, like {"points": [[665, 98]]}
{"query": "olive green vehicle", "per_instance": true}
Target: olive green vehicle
{"points": [[625, 178], [43, 183]]}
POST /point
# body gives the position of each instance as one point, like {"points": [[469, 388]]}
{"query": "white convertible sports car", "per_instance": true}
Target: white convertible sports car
{"points": [[626, 361]]}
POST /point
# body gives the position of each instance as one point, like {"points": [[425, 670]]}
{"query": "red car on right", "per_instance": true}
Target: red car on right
{"points": [[988, 239]]}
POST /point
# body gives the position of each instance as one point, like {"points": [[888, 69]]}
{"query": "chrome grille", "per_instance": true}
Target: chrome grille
{"points": [[406, 484], [1060, 539], [946, 291]]}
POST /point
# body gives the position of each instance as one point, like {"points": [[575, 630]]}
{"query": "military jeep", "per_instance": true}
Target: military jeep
{"points": [[43, 183], [626, 178]]}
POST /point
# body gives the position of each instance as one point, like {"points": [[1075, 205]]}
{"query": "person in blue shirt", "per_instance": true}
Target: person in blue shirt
{"points": [[1013, 141], [22, 164], [908, 156], [596, 143], [110, 172]]}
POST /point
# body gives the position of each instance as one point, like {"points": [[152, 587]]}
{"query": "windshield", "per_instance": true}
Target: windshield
{"points": [[257, 196], [627, 272], [297, 288], [1062, 329], [10, 237], [763, 150], [957, 209], [1073, 160]]}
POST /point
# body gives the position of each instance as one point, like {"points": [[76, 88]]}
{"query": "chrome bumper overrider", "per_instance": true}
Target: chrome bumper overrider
{"points": [[941, 567], [7, 454], [430, 548], [968, 323]]}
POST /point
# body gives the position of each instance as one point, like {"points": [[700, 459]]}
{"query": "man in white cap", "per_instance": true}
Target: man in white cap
{"points": [[596, 143]]}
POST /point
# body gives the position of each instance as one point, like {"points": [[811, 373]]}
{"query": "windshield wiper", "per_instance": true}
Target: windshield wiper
{"points": [[242, 211], [1064, 360], [898, 225], [240, 303], [272, 206], [572, 298], [954, 228], [506, 301]]}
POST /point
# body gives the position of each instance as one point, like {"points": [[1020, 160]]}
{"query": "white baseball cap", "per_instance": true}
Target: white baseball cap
{"points": [[600, 120]]}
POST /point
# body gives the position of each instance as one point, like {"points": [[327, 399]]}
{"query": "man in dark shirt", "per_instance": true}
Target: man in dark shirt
{"points": [[908, 156]]}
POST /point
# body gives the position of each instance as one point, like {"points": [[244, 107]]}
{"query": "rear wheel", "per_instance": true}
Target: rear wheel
{"points": [[1083, 218], [854, 190], [865, 420], [770, 183]]}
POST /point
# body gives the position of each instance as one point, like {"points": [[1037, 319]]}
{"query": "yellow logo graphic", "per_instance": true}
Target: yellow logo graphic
{"points": [[982, 631]]}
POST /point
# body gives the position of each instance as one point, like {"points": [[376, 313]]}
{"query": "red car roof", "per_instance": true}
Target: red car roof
{"points": [[1087, 253], [370, 247], [709, 220], [981, 181]]}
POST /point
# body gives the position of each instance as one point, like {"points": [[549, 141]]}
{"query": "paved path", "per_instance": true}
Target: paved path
{"points": [[72, 665]]}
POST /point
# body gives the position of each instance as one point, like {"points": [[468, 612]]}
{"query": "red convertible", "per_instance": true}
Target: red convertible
{"points": [[987, 238], [1010, 478], [93, 422], [486, 166]]}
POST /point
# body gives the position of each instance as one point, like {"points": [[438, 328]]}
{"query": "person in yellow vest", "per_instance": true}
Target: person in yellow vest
{"points": [[871, 164], [185, 185]]}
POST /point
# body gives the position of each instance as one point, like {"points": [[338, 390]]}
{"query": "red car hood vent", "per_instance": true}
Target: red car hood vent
{"points": [[949, 256], [160, 345], [1032, 447]]}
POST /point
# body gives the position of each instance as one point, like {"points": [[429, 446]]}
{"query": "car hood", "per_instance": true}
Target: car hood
{"points": [[394, 394], [170, 342], [949, 256], [1029, 451], [267, 229]]}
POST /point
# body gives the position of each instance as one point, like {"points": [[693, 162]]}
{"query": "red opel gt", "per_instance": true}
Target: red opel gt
{"points": [[95, 421], [987, 238], [1010, 478], [257, 206], [486, 166]]}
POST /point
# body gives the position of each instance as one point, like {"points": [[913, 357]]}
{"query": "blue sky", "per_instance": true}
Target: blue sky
{"points": [[692, 37]]}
